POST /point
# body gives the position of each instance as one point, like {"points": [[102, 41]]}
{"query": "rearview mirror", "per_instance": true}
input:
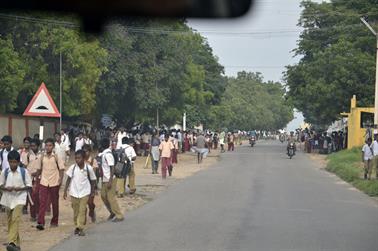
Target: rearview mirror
{"points": [[95, 12]]}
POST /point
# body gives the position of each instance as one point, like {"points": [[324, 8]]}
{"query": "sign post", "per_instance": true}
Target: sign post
{"points": [[42, 105]]}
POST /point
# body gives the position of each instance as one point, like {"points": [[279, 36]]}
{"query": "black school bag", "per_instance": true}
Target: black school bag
{"points": [[121, 160]]}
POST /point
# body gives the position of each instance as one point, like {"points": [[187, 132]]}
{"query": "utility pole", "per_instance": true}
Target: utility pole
{"points": [[157, 108], [376, 72], [60, 90], [184, 122]]}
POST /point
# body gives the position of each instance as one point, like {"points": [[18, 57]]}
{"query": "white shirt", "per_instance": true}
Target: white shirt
{"points": [[65, 140], [368, 153], [179, 136], [88, 141], [79, 144], [375, 148], [61, 150], [5, 164], [120, 136], [129, 151], [80, 185], [107, 160], [14, 179]]}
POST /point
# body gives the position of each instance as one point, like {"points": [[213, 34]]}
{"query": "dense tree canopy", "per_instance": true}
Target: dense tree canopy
{"points": [[136, 68], [250, 103], [337, 59]]}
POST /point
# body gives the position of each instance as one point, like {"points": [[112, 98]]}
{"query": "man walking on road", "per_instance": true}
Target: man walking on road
{"points": [[166, 149], [202, 149], [367, 158], [375, 152]]}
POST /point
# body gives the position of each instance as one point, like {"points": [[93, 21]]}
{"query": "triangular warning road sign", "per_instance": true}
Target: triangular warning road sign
{"points": [[42, 105]]}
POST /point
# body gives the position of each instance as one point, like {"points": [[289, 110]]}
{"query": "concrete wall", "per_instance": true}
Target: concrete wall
{"points": [[19, 127]]}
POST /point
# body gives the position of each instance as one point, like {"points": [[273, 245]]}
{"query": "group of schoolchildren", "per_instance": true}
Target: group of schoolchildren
{"points": [[31, 177]]}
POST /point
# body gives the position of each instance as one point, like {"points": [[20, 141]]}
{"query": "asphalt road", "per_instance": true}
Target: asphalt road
{"points": [[254, 199]]}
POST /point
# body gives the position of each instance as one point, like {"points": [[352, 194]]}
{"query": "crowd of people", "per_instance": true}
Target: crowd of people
{"points": [[321, 142], [103, 160]]}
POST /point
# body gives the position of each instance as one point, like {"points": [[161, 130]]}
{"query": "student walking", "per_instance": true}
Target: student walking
{"points": [[15, 182], [51, 169], [166, 148], [33, 161], [108, 188], [155, 154], [375, 152], [94, 164], [81, 182], [7, 147], [222, 141], [367, 158], [128, 146]]}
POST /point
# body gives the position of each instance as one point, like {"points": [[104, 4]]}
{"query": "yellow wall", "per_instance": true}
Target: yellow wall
{"points": [[355, 132]]}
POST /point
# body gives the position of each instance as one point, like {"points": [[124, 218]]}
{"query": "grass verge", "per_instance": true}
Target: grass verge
{"points": [[348, 166]]}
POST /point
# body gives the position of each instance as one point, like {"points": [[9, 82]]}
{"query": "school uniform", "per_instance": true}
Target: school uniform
{"points": [[80, 190], [375, 159], [121, 182], [49, 186], [368, 160], [108, 195], [91, 205], [4, 164], [33, 162], [14, 201]]}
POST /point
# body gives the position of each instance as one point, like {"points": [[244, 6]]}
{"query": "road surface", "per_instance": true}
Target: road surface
{"points": [[254, 199]]}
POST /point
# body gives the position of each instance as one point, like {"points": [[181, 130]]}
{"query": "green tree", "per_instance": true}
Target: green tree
{"points": [[337, 59], [11, 75]]}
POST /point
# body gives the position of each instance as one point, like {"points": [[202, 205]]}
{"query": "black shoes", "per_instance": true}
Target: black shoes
{"points": [[13, 247], [40, 227]]}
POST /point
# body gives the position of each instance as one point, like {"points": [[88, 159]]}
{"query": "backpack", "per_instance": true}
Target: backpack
{"points": [[23, 174], [121, 161]]}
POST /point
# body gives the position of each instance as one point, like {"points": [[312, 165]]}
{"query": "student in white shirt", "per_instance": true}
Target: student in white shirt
{"points": [[127, 144], [375, 152], [64, 138], [61, 149], [81, 183], [367, 158], [7, 142], [108, 188], [79, 142], [15, 182]]}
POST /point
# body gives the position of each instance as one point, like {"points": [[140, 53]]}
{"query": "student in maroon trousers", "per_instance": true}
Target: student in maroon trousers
{"points": [[51, 169]]}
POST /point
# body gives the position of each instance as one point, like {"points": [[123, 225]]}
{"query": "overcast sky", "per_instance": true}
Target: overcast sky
{"points": [[261, 41]]}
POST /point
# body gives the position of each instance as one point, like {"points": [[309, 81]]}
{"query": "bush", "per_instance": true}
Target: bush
{"points": [[347, 165]]}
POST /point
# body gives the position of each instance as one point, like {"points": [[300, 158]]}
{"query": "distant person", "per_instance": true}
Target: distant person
{"points": [[201, 148], [15, 182], [61, 148], [367, 158], [79, 142], [155, 154], [166, 149]]}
